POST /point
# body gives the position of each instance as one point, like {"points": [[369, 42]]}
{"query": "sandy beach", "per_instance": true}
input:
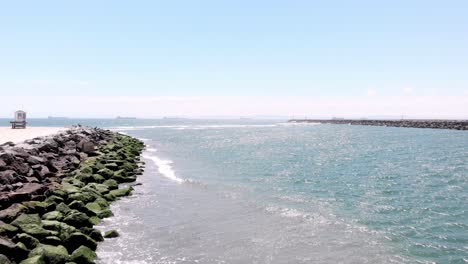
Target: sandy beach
{"points": [[19, 135]]}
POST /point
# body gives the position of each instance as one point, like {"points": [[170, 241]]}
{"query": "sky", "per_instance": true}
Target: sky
{"points": [[234, 58]]}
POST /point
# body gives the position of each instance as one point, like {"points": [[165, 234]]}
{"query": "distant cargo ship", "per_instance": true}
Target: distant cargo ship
{"points": [[125, 117]]}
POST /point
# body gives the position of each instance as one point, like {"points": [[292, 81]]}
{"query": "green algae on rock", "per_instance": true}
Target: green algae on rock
{"points": [[57, 226], [111, 234]]}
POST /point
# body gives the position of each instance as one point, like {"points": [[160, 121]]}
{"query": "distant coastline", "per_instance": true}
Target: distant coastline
{"points": [[414, 123]]}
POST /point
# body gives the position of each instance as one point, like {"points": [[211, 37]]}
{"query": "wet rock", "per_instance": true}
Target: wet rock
{"points": [[4, 259], [98, 210], [26, 219], [12, 212], [86, 146], [80, 206], [111, 184], [34, 260], [29, 241], [111, 234], [121, 192], [76, 239], [7, 157], [64, 230], [8, 177], [34, 160], [83, 255], [95, 220], [7, 229], [52, 240], [77, 219], [51, 254], [26, 191], [41, 171], [3, 165], [92, 233], [54, 215], [63, 208], [112, 166], [49, 145], [11, 250]]}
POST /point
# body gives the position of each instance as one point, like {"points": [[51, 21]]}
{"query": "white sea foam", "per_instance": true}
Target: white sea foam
{"points": [[164, 167]]}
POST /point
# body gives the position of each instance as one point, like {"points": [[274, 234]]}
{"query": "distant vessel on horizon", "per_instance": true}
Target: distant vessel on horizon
{"points": [[125, 117]]}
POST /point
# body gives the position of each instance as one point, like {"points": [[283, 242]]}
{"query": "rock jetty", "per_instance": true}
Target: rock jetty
{"points": [[54, 189], [435, 124]]}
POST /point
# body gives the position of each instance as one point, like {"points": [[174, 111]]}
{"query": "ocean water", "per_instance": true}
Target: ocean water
{"points": [[245, 191]]}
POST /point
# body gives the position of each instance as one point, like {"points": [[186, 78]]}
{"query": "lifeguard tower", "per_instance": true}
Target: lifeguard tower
{"points": [[20, 120]]}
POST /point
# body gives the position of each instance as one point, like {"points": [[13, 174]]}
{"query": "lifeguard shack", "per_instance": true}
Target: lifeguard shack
{"points": [[20, 120]]}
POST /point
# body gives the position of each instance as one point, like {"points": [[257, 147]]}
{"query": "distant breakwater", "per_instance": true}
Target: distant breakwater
{"points": [[435, 124], [54, 189]]}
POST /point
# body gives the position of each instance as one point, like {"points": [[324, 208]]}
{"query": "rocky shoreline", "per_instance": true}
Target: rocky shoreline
{"points": [[435, 124], [54, 189]]}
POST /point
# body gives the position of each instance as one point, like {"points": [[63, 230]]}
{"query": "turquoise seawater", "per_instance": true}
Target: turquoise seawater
{"points": [[269, 192]]}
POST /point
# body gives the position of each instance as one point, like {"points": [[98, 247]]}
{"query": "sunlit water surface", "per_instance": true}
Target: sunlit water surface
{"points": [[269, 192]]}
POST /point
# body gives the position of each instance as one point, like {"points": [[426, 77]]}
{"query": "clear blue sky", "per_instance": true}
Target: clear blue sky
{"points": [[234, 48]]}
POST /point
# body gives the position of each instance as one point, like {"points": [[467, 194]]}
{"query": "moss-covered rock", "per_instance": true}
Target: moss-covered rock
{"points": [[77, 219], [80, 206], [51, 254], [29, 241], [64, 230], [26, 219], [36, 207], [100, 188], [54, 215], [11, 250], [37, 231], [87, 169], [95, 207], [52, 240], [54, 199], [92, 233], [73, 181], [85, 197], [102, 202], [60, 192], [22, 246], [111, 184], [106, 173], [69, 188], [83, 255], [4, 259], [84, 177], [110, 197], [99, 210], [95, 220], [76, 239], [74, 204], [111, 234], [121, 192], [34, 260], [63, 208], [98, 178], [7, 229]]}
